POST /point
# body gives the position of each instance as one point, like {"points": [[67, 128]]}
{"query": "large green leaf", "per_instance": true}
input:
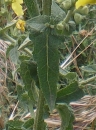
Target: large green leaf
{"points": [[70, 93], [47, 57], [67, 117]]}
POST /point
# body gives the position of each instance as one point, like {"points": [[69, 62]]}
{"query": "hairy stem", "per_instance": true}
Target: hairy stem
{"points": [[47, 7], [9, 38], [39, 121], [40, 5], [84, 82], [69, 14]]}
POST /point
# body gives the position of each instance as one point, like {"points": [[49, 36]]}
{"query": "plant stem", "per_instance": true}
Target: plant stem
{"points": [[39, 121], [9, 38], [69, 14], [28, 51], [84, 82], [47, 7], [40, 5]]}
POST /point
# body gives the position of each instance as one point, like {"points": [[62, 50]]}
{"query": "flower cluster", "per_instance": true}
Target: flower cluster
{"points": [[21, 25]]}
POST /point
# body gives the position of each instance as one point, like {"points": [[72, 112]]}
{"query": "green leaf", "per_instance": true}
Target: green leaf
{"points": [[47, 57], [33, 71], [24, 58], [57, 13], [89, 68], [38, 24], [12, 23], [68, 75], [70, 93], [32, 7], [46, 112], [26, 42], [71, 76], [68, 89], [67, 117], [29, 124], [3, 12], [27, 103], [13, 53], [27, 79], [12, 128], [15, 125], [20, 91]]}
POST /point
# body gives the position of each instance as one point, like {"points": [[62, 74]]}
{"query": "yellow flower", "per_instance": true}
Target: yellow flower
{"points": [[16, 6], [80, 3], [21, 25]]}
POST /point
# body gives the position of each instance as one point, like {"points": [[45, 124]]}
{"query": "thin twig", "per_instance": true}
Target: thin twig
{"points": [[12, 114], [63, 65], [78, 54]]}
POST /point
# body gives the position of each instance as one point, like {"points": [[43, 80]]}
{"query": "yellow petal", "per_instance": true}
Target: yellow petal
{"points": [[21, 25], [17, 8], [19, 1], [80, 3], [18, 25]]}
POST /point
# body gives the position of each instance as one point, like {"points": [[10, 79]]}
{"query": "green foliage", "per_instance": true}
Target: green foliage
{"points": [[7, 27], [26, 42], [38, 24], [28, 124], [15, 125], [13, 53], [27, 78], [46, 55], [32, 7], [69, 93], [89, 68], [57, 13], [67, 117], [40, 82], [20, 125]]}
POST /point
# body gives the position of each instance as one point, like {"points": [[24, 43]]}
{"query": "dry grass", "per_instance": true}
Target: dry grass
{"points": [[85, 114], [5, 65]]}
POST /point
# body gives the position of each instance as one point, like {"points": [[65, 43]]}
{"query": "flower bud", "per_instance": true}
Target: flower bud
{"points": [[60, 26], [66, 4], [73, 2], [59, 1], [84, 10], [78, 18]]}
